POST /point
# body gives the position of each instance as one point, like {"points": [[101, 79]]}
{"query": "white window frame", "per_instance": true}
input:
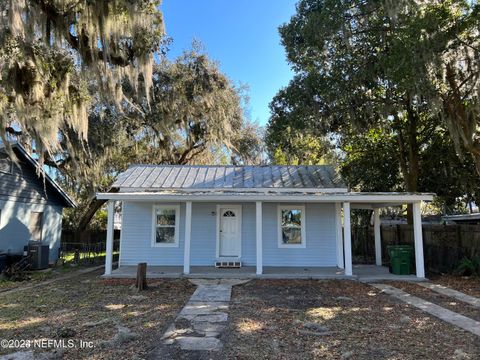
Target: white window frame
{"points": [[303, 234], [154, 225]]}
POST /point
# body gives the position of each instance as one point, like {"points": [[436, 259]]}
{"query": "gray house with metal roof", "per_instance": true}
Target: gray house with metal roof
{"points": [[185, 219], [30, 206]]}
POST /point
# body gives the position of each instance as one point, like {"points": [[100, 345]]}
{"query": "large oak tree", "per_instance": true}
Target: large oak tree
{"points": [[400, 68], [50, 51]]}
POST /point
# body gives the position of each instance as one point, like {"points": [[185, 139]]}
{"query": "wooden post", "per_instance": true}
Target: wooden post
{"points": [[378, 239], [109, 245], [417, 234], [258, 236], [347, 239], [188, 237], [339, 234], [141, 283]]}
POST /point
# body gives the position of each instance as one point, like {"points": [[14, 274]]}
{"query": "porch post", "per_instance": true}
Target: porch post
{"points": [[347, 239], [378, 238], [339, 235], [417, 234], [109, 245], [259, 240], [188, 236]]}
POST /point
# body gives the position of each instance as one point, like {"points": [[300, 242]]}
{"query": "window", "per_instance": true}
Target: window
{"points": [[166, 220], [291, 226], [6, 165], [35, 225]]}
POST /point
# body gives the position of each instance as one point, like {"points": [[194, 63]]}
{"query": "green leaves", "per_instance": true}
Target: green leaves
{"points": [[371, 78]]}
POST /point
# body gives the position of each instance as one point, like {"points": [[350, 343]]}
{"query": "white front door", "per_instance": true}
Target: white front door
{"points": [[229, 236]]}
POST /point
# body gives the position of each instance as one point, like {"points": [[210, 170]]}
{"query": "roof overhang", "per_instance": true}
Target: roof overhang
{"points": [[34, 163], [362, 199]]}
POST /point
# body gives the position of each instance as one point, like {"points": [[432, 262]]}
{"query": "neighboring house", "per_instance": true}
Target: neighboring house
{"points": [[469, 219], [117, 221], [30, 208], [258, 216]]}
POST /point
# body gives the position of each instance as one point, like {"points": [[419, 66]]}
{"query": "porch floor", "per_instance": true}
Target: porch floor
{"points": [[370, 273]]}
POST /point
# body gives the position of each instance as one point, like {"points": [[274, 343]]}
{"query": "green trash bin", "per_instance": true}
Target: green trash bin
{"points": [[400, 259]]}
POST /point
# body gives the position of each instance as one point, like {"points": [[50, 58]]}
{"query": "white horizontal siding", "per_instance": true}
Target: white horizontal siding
{"points": [[137, 232]]}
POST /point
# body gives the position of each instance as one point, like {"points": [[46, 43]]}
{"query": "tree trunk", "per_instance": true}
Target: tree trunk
{"points": [[92, 207], [409, 156]]}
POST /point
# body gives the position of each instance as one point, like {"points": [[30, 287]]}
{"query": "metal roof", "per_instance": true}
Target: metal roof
{"points": [[202, 177]]}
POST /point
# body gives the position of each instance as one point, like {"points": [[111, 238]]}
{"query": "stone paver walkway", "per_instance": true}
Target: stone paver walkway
{"points": [[202, 320], [432, 309], [452, 293]]}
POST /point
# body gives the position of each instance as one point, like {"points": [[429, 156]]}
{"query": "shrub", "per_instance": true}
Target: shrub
{"points": [[469, 267]]}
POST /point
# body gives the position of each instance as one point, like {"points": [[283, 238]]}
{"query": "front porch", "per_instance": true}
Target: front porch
{"points": [[360, 273], [328, 216]]}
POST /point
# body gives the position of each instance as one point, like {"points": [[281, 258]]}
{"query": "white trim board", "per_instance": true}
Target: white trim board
{"points": [[326, 198]]}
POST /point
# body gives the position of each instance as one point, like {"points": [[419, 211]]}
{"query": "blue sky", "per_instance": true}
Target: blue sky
{"points": [[242, 36]]}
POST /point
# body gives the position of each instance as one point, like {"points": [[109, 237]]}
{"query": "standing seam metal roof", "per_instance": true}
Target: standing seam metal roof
{"points": [[228, 177]]}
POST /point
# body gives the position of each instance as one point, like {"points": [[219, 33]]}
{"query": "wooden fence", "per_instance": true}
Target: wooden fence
{"points": [[444, 245], [90, 248], [95, 236]]}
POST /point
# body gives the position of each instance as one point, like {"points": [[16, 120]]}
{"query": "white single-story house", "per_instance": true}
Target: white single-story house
{"points": [[257, 217]]}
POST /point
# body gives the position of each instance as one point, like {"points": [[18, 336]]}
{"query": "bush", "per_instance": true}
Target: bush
{"points": [[469, 267]]}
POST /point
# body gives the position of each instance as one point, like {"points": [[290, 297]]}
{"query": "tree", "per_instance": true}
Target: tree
{"points": [[369, 65], [195, 117], [248, 145], [370, 161], [50, 50]]}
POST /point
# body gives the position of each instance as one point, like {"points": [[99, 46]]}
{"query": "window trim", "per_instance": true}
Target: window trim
{"points": [[303, 234], [42, 221], [154, 225]]}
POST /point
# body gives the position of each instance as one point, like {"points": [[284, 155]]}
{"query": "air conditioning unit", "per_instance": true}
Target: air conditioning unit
{"points": [[39, 254]]}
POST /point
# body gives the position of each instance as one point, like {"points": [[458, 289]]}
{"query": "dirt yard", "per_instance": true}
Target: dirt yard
{"points": [[268, 319], [335, 320], [121, 323], [444, 301], [469, 285]]}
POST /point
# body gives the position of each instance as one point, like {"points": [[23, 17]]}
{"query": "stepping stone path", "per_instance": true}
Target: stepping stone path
{"points": [[200, 323], [449, 316], [452, 293]]}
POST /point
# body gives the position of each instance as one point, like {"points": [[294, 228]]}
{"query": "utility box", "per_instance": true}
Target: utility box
{"points": [[39, 255]]}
